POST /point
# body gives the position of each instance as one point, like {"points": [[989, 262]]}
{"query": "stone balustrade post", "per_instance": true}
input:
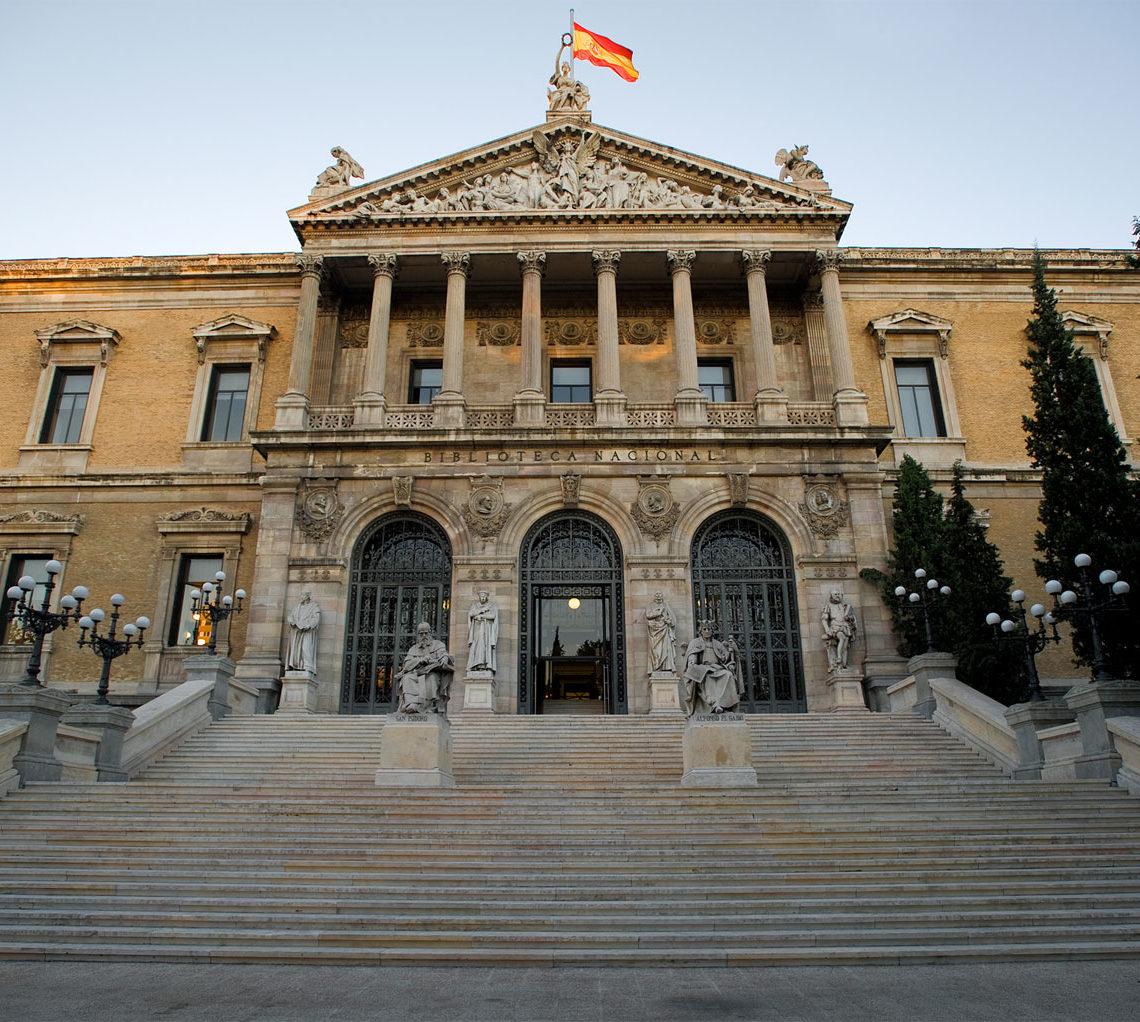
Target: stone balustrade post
{"points": [[370, 402], [609, 399], [293, 406], [530, 402], [850, 402], [690, 402], [449, 402], [770, 399]]}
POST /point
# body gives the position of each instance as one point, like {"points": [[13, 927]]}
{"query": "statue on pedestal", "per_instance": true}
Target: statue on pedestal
{"points": [[424, 681], [304, 620], [662, 625], [712, 674], [482, 633], [341, 172], [839, 630], [567, 93]]}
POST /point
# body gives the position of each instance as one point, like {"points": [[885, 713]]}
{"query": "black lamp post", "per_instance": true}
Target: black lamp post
{"points": [[41, 622], [209, 605], [108, 646], [1032, 642], [921, 601], [1094, 607]]}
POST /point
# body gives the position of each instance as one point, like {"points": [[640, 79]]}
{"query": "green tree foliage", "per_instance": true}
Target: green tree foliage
{"points": [[1134, 260], [1090, 504]]}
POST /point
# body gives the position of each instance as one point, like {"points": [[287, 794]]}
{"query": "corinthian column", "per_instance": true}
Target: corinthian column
{"points": [[609, 400], [770, 399], [293, 405], [850, 402], [530, 402], [449, 403], [370, 402], [689, 401]]}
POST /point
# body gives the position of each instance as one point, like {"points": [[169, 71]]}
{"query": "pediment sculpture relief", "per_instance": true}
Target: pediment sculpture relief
{"points": [[567, 173]]}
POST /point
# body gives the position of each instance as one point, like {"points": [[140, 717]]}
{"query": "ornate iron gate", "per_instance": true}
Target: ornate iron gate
{"points": [[744, 582], [400, 576], [568, 554]]}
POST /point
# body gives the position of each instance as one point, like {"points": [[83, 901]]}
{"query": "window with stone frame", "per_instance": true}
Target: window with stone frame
{"points": [[63, 419], [716, 380], [224, 421], [425, 380], [571, 381], [194, 570], [919, 403], [19, 565]]}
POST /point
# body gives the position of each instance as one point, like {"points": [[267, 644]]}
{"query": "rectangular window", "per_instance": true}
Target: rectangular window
{"points": [[194, 570], [918, 399], [425, 381], [570, 382], [20, 565], [714, 376], [64, 419], [225, 407]]}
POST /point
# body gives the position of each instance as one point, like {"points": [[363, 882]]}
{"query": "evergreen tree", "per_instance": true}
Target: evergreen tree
{"points": [[1134, 260], [1089, 502]]}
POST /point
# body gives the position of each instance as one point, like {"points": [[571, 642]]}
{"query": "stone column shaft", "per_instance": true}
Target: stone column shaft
{"points": [[609, 372], [376, 361], [771, 401], [457, 264], [838, 343], [531, 264], [684, 325], [301, 366]]}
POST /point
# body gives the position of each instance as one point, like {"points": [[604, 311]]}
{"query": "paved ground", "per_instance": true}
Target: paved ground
{"points": [[81, 992]]}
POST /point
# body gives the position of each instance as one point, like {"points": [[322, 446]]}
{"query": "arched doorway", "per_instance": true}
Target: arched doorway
{"points": [[571, 617], [400, 575], [744, 582]]}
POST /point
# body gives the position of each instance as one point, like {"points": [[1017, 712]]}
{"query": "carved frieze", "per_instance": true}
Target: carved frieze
{"points": [[319, 510], [486, 510], [571, 332], [654, 510], [352, 331], [502, 333], [32, 516], [203, 514], [425, 334], [823, 508], [642, 331]]}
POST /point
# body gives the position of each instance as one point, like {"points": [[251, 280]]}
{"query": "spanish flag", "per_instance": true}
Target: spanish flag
{"points": [[603, 52]]}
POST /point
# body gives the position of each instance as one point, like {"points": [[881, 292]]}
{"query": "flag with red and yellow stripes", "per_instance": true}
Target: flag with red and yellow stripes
{"points": [[603, 52]]}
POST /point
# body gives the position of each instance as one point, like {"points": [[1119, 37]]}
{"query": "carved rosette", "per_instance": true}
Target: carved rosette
{"points": [[319, 510], [823, 509], [570, 482], [402, 490], [655, 511], [486, 511]]}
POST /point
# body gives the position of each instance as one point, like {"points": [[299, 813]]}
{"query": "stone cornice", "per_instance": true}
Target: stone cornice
{"points": [[982, 258], [150, 267]]}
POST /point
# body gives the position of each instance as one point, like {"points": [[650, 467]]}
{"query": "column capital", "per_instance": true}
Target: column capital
{"points": [[457, 262], [755, 260], [606, 260], [384, 264], [680, 261], [310, 265], [827, 259], [532, 262], [812, 300]]}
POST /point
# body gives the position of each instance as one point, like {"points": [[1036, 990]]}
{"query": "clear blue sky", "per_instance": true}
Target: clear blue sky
{"points": [[158, 127]]}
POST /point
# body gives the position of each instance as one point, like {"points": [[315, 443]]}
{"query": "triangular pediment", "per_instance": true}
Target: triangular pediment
{"points": [[911, 321], [567, 169]]}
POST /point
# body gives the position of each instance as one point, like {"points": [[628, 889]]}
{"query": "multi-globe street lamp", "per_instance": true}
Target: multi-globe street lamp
{"points": [[41, 621], [109, 646], [210, 607], [921, 602]]}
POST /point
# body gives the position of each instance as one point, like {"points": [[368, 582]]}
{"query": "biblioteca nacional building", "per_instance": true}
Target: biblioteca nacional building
{"points": [[569, 369]]}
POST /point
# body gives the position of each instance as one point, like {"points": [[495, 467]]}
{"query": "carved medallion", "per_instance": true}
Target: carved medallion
{"points": [[823, 509], [570, 483], [716, 331], [571, 331], [402, 490], [501, 334], [425, 335], [320, 511], [353, 328], [655, 511], [642, 331], [486, 511]]}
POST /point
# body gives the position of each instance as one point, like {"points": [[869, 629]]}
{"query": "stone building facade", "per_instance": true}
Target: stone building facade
{"points": [[570, 369]]}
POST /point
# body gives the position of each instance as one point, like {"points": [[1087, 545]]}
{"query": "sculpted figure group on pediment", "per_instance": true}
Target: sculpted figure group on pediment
{"points": [[567, 174]]}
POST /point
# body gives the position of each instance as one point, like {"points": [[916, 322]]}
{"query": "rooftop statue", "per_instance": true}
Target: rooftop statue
{"points": [[793, 166], [567, 93], [341, 172]]}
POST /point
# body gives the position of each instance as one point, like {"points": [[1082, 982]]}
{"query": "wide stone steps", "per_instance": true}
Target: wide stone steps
{"points": [[570, 841]]}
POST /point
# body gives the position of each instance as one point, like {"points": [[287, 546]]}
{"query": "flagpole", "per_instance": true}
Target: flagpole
{"points": [[573, 75]]}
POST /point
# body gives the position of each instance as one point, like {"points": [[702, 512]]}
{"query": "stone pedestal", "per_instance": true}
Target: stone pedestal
{"points": [[369, 410], [292, 412], [479, 692], [530, 408], [219, 669], [1093, 705], [717, 752], [298, 693], [610, 409], [845, 685], [664, 693], [450, 411], [112, 723], [692, 408], [40, 709], [923, 668], [262, 674], [415, 752], [880, 672], [772, 408], [11, 737], [1027, 719]]}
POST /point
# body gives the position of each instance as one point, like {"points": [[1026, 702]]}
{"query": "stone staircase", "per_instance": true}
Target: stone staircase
{"points": [[871, 839]]}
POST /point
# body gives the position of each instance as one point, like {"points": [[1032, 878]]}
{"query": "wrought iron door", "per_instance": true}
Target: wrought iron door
{"points": [[571, 554], [400, 576], [744, 582]]}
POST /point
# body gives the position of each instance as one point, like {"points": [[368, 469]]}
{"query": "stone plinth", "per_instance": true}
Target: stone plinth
{"points": [[717, 752], [925, 667], [11, 737], [845, 686], [112, 723], [1094, 705], [298, 693], [219, 669], [664, 693], [1027, 719], [415, 752], [479, 692], [40, 709]]}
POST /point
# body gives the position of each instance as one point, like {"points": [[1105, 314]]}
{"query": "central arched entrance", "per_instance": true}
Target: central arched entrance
{"points": [[572, 621]]}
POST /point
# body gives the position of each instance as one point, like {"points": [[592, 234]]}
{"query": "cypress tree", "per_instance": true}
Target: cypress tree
{"points": [[1089, 504]]}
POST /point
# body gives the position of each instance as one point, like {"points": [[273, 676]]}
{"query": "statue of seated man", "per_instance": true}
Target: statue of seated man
{"points": [[712, 675], [424, 681]]}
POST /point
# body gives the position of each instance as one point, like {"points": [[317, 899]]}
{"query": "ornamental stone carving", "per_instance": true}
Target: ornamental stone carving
{"points": [[794, 167], [642, 331], [566, 94], [402, 490], [352, 330], [738, 488], [456, 262], [716, 331], [680, 261], [38, 517], [340, 173], [425, 335], [501, 334], [310, 265], [486, 511], [655, 511], [203, 514], [384, 264], [823, 509], [605, 260], [569, 482], [320, 511], [532, 262], [571, 331]]}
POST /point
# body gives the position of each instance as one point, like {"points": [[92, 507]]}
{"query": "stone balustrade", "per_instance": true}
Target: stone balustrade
{"points": [[1125, 733], [976, 719], [11, 740]]}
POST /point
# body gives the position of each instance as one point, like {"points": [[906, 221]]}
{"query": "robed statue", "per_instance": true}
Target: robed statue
{"points": [[304, 620], [839, 630], [482, 633], [662, 626], [713, 683], [424, 681]]}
